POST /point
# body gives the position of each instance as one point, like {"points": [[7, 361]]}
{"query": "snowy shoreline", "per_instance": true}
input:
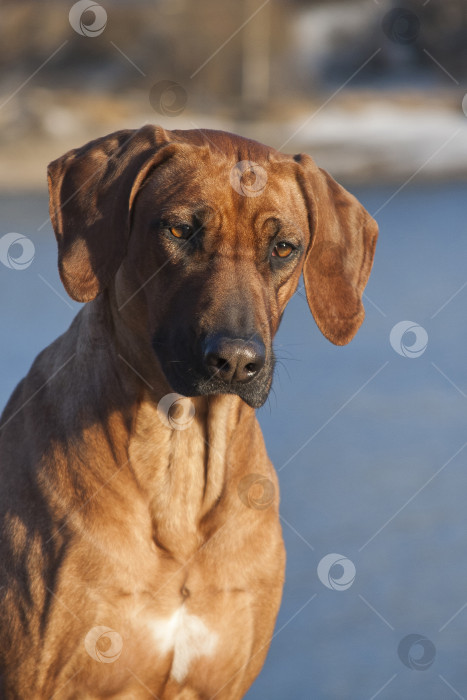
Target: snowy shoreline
{"points": [[356, 137]]}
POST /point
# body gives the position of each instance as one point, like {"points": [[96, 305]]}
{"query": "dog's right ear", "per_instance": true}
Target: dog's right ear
{"points": [[91, 193], [340, 254]]}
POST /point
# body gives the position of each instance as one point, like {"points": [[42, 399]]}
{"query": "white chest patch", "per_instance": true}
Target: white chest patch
{"points": [[187, 636]]}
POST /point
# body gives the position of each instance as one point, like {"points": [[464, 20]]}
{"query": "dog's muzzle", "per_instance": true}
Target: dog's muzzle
{"points": [[218, 363]]}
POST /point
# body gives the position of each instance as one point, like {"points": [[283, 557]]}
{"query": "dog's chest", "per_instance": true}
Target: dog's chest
{"points": [[189, 587], [178, 635], [184, 636]]}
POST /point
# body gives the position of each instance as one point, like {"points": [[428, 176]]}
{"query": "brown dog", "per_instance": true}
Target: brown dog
{"points": [[141, 551]]}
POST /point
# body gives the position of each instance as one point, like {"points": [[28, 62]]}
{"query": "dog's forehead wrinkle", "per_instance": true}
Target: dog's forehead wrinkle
{"points": [[227, 254], [185, 209], [226, 143]]}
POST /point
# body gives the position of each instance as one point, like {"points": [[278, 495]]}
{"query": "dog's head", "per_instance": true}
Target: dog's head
{"points": [[204, 236]]}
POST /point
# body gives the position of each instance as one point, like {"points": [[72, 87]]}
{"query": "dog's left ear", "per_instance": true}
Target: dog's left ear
{"points": [[340, 253], [91, 193]]}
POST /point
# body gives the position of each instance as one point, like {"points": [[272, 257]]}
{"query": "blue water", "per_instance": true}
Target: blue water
{"points": [[380, 474]]}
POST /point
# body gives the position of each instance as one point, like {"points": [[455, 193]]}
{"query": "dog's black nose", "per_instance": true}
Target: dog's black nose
{"points": [[233, 359]]}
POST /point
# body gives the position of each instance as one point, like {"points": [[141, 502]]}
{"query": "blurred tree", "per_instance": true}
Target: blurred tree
{"points": [[220, 56]]}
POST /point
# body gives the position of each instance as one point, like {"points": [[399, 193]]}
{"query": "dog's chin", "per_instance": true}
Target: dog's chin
{"points": [[253, 393]]}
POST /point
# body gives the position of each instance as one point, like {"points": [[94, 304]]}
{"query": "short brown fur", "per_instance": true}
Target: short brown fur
{"points": [[109, 516]]}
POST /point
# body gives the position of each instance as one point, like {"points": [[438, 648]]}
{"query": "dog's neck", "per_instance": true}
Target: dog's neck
{"points": [[183, 472], [181, 469]]}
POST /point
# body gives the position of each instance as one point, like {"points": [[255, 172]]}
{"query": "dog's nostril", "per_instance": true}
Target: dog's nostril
{"points": [[251, 367], [218, 363]]}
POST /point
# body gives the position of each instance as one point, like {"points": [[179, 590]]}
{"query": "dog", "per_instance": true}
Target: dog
{"points": [[141, 547]]}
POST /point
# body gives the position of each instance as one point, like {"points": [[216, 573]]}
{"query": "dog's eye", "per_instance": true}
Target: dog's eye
{"points": [[282, 250], [182, 231]]}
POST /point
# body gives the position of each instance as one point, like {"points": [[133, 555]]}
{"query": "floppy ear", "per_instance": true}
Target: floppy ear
{"points": [[91, 192], [340, 254]]}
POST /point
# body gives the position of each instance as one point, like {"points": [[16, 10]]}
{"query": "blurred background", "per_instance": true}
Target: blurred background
{"points": [[368, 85], [369, 440]]}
